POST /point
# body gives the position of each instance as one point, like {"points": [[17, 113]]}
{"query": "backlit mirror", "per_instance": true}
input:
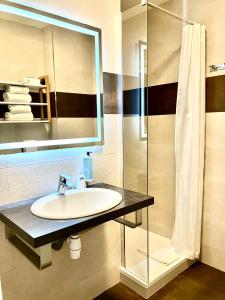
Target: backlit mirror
{"points": [[50, 80]]}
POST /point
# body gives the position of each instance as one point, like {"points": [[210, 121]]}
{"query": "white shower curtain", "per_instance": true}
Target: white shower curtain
{"points": [[189, 143]]}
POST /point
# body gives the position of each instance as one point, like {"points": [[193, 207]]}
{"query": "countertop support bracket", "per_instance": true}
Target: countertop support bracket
{"points": [[132, 224], [41, 257]]}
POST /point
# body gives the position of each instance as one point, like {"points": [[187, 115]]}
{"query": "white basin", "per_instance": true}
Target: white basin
{"points": [[76, 203]]}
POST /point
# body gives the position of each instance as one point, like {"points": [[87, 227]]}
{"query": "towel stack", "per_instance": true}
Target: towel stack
{"points": [[18, 112], [31, 81]]}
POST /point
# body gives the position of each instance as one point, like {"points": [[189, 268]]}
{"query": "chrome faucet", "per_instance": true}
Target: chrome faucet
{"points": [[63, 184]]}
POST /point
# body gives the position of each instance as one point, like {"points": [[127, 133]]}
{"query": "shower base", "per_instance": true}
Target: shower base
{"points": [[135, 274]]}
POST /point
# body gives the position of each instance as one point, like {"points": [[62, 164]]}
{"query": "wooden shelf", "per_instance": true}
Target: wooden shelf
{"points": [[44, 98], [3, 84], [23, 103]]}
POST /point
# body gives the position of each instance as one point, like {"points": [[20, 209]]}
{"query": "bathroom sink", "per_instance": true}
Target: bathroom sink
{"points": [[76, 203]]}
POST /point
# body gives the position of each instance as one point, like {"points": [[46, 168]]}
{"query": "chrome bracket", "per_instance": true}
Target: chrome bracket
{"points": [[218, 67], [137, 220], [41, 257]]}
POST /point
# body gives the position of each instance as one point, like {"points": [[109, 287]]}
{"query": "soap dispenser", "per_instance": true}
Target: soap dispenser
{"points": [[87, 165]]}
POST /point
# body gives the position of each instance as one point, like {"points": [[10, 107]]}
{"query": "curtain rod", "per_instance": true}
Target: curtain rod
{"points": [[144, 2]]}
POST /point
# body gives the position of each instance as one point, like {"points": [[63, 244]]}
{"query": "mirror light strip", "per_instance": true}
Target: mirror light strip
{"points": [[98, 87], [16, 145], [42, 18]]}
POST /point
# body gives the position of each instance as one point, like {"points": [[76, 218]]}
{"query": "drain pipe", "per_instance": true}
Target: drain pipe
{"points": [[75, 246]]}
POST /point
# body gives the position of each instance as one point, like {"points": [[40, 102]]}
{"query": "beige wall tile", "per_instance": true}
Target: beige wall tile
{"points": [[213, 256], [107, 169], [161, 130], [68, 128], [164, 43], [214, 199], [74, 55], [214, 164], [4, 186], [21, 44], [135, 179], [113, 142], [135, 149], [215, 44], [163, 189], [134, 30], [95, 285], [213, 230], [65, 276], [161, 222], [161, 160], [29, 181], [48, 56], [215, 130], [6, 257]]}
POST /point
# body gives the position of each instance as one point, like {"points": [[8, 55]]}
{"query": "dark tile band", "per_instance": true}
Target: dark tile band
{"points": [[75, 105], [215, 94], [162, 98]]}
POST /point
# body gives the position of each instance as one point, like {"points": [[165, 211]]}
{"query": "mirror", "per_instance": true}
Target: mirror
{"points": [[50, 80]]}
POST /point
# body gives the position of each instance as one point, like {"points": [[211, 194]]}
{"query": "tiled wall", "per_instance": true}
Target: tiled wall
{"points": [[17, 50], [211, 14], [27, 175], [74, 58], [213, 238]]}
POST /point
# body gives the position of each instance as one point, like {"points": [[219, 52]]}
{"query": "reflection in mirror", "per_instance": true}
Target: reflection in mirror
{"points": [[50, 82], [75, 83], [24, 96]]}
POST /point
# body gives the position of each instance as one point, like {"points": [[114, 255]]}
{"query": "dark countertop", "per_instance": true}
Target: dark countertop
{"points": [[38, 231]]}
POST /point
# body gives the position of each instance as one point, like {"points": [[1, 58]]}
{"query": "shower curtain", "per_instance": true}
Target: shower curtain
{"points": [[189, 143]]}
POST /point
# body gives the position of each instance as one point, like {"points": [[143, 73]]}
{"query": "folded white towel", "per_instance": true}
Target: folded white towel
{"points": [[19, 117], [31, 81], [17, 89], [9, 97], [18, 109]]}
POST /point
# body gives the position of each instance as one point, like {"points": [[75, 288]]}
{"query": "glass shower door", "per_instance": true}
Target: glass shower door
{"points": [[135, 133]]}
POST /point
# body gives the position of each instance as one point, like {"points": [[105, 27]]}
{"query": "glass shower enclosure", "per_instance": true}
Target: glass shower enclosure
{"points": [[135, 136], [150, 80]]}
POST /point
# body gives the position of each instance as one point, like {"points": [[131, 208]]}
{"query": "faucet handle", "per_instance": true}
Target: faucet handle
{"points": [[64, 178]]}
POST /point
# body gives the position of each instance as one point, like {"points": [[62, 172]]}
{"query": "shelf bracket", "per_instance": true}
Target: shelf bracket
{"points": [[137, 222], [41, 257]]}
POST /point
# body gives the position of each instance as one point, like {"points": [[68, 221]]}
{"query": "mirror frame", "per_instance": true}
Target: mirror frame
{"points": [[29, 12]]}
